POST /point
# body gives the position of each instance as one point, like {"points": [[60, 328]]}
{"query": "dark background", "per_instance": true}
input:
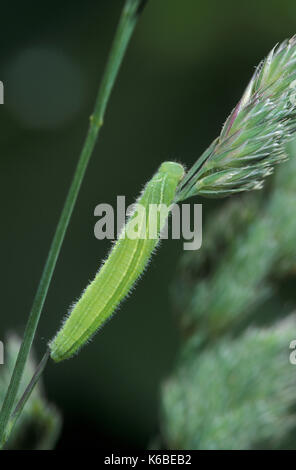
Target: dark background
{"points": [[187, 65]]}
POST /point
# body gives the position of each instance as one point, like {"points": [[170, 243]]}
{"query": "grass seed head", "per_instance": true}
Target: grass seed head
{"points": [[254, 136]]}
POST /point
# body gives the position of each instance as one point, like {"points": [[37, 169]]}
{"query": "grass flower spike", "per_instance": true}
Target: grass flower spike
{"points": [[254, 137]]}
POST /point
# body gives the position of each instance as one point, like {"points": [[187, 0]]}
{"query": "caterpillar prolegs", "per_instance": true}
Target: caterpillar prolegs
{"points": [[126, 262]]}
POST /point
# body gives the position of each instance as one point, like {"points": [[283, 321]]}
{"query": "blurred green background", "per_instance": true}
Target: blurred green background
{"points": [[186, 67]]}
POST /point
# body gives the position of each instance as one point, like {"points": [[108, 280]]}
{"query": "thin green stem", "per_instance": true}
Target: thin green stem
{"points": [[129, 16], [27, 393]]}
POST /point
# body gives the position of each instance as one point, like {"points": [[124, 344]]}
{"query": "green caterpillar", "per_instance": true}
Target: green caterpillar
{"points": [[123, 267]]}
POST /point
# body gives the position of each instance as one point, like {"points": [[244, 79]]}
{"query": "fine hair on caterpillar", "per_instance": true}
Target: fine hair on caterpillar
{"points": [[123, 267]]}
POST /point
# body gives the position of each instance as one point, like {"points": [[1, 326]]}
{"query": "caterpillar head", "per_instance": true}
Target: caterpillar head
{"points": [[173, 169]]}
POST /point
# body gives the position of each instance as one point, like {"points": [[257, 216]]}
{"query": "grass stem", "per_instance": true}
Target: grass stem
{"points": [[129, 16]]}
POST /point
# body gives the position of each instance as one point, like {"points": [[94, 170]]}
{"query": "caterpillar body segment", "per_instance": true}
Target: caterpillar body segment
{"points": [[124, 265]]}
